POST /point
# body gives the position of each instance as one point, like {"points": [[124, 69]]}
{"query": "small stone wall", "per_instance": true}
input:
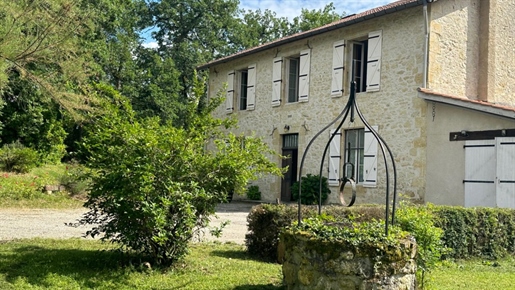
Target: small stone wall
{"points": [[313, 264]]}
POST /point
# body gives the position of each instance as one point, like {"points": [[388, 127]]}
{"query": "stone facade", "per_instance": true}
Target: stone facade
{"points": [[312, 264], [456, 66]]}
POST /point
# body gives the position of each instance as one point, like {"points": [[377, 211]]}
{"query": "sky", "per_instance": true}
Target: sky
{"points": [[292, 8]]}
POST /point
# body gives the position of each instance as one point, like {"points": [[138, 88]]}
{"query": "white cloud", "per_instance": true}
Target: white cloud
{"points": [[152, 44]]}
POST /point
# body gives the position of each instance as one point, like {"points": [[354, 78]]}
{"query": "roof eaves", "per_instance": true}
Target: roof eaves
{"points": [[485, 107], [346, 21]]}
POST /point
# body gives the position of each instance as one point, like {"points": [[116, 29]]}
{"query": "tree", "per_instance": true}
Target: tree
{"points": [[310, 19], [153, 183]]}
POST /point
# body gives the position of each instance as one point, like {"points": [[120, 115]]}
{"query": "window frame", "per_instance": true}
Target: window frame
{"points": [[358, 157], [292, 79], [243, 82], [363, 59]]}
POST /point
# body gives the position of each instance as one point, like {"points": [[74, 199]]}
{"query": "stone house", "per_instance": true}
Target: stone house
{"points": [[435, 78]]}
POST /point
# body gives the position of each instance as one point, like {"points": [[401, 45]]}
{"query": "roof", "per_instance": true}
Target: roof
{"points": [[345, 21], [482, 106]]}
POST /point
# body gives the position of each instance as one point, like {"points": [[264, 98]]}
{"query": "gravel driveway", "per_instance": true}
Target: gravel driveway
{"points": [[49, 223]]}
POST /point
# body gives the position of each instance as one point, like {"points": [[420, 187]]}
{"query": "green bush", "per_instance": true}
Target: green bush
{"points": [[253, 193], [477, 232], [419, 222], [311, 189], [15, 157], [153, 184], [266, 221], [75, 179]]}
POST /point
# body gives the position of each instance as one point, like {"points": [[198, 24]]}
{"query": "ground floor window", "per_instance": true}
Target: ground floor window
{"points": [[354, 152]]}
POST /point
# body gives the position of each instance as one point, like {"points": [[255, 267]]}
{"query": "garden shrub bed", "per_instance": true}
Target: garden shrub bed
{"points": [[468, 232]]}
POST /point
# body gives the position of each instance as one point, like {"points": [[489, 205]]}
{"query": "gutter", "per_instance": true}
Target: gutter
{"points": [[426, 45]]}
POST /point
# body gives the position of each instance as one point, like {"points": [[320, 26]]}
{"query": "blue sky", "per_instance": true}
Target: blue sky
{"points": [[292, 8]]}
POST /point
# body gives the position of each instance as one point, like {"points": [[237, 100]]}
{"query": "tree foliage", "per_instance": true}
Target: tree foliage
{"points": [[153, 183]]}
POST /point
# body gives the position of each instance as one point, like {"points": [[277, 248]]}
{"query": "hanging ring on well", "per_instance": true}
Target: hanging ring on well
{"points": [[344, 181]]}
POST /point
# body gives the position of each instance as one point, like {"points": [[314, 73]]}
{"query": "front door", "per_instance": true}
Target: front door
{"points": [[290, 144]]}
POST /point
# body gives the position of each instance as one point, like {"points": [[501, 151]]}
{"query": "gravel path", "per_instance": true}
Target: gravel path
{"points": [[49, 223]]}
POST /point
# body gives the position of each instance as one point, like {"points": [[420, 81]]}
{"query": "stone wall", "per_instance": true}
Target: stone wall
{"points": [[396, 109], [313, 264]]}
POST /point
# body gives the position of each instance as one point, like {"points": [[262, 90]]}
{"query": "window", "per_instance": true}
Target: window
{"points": [[359, 68], [366, 63], [354, 153], [241, 86], [293, 79], [243, 89], [296, 78]]}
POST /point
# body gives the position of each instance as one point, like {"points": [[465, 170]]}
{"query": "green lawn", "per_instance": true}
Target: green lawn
{"points": [[475, 275], [78, 264], [26, 190]]}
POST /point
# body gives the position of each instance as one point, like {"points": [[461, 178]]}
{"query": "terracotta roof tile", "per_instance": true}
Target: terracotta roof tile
{"points": [[466, 100]]}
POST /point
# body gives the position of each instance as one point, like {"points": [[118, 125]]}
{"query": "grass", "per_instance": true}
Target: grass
{"points": [[475, 275], [84, 264], [26, 190]]}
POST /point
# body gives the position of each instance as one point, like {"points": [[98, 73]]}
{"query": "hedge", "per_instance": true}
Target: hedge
{"points": [[468, 232]]}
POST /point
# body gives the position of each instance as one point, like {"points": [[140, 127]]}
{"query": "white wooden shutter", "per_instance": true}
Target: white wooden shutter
{"points": [[277, 81], [305, 57], [251, 87], [338, 66], [480, 164], [505, 186], [334, 159], [374, 61], [229, 98], [370, 159]]}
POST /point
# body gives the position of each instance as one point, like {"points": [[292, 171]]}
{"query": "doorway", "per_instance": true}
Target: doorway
{"points": [[290, 150]]}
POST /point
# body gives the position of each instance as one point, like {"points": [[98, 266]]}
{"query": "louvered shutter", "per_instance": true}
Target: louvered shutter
{"points": [[334, 159], [338, 66], [277, 81], [505, 187], [479, 182], [370, 159], [251, 87], [305, 57], [229, 98], [374, 61]]}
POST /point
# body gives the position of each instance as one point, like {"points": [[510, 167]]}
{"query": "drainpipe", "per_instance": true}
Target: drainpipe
{"points": [[426, 45]]}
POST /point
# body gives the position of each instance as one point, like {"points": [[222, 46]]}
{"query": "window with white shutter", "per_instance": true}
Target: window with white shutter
{"points": [[374, 61], [338, 68], [305, 62], [334, 159], [229, 98], [277, 81], [505, 170], [251, 87], [370, 159]]}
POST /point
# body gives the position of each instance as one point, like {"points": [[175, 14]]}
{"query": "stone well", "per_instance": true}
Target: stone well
{"points": [[310, 263]]}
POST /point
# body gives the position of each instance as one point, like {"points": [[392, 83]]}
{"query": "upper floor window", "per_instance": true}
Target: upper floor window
{"points": [[243, 89], [293, 79], [359, 65], [366, 63], [241, 86]]}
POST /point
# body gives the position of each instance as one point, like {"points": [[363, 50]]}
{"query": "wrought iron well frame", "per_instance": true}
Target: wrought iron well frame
{"points": [[353, 108]]}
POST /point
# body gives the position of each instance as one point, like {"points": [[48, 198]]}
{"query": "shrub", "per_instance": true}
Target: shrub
{"points": [[311, 189], [153, 184], [75, 179], [253, 193], [477, 232], [418, 221], [15, 157], [266, 221]]}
